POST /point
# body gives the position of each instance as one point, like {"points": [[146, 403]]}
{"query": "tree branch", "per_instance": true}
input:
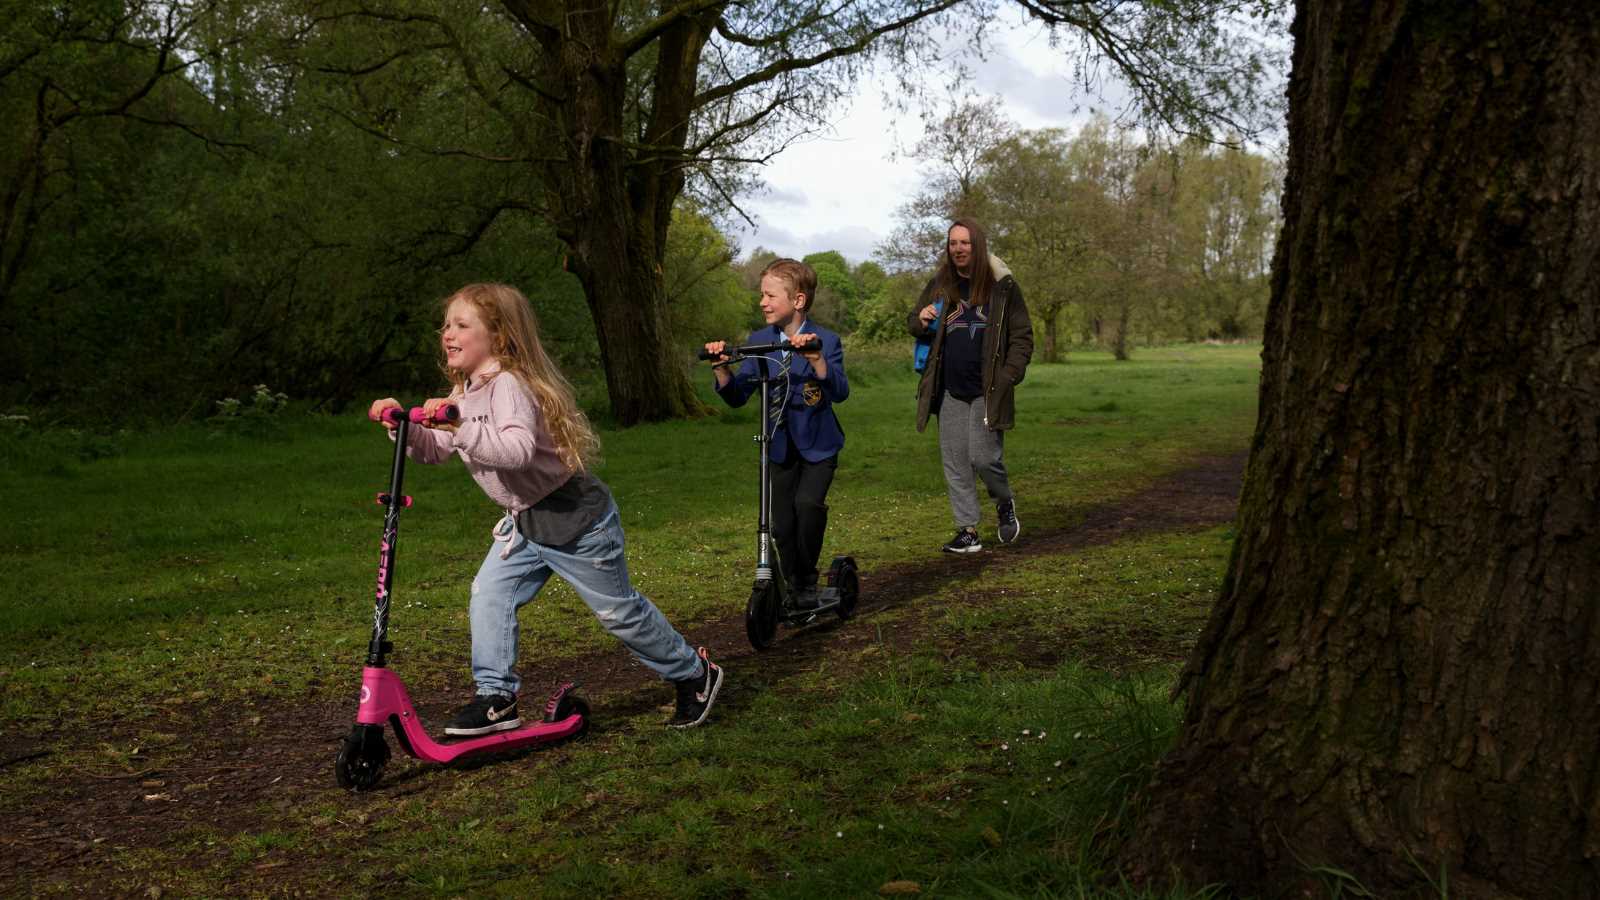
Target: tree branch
{"points": [[652, 29], [734, 37], [772, 71]]}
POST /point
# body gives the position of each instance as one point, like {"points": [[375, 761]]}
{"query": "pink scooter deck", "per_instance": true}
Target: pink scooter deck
{"points": [[383, 695]]}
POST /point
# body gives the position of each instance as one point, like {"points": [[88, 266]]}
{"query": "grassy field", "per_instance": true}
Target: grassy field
{"points": [[200, 567]]}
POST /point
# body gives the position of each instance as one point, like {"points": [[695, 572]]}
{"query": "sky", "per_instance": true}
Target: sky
{"points": [[855, 160]]}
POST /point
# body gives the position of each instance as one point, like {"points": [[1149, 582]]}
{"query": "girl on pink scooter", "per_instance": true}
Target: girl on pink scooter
{"points": [[528, 445]]}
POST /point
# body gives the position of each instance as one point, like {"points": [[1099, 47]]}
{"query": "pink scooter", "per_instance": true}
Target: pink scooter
{"points": [[383, 696]]}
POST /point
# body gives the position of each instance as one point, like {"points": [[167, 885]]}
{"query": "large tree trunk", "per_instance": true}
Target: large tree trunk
{"points": [[620, 270], [1402, 673], [611, 195]]}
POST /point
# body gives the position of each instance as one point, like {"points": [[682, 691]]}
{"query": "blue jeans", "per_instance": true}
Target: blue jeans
{"points": [[516, 568]]}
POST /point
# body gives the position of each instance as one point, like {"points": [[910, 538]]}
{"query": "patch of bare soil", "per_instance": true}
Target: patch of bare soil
{"points": [[225, 772]]}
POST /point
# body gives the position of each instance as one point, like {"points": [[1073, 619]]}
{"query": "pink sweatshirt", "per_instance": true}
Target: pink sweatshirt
{"points": [[503, 440]]}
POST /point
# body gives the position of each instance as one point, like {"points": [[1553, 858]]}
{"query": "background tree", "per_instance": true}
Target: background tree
{"points": [[839, 294], [955, 150], [1040, 210], [1225, 213], [615, 106], [706, 298], [1401, 677], [234, 213], [1113, 232]]}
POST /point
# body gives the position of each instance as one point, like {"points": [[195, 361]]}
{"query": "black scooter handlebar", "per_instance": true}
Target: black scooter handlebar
{"points": [[746, 350]]}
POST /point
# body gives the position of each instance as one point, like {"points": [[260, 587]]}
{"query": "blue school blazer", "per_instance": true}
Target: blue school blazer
{"points": [[808, 416]]}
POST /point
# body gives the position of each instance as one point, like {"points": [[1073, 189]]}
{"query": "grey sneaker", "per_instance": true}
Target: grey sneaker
{"points": [[486, 714], [965, 541], [697, 695], [1009, 526]]}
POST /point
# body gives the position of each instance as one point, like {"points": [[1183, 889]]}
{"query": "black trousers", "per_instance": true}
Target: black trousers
{"points": [[800, 514]]}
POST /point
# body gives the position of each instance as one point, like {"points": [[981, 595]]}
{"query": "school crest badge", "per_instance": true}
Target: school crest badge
{"points": [[811, 393]]}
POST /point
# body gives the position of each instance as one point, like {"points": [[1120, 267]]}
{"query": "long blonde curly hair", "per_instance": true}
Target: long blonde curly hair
{"points": [[514, 335]]}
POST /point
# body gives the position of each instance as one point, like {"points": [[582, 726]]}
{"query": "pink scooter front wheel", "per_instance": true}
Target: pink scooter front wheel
{"points": [[361, 759]]}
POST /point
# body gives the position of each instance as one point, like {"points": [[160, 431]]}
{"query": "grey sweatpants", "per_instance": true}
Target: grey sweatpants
{"points": [[968, 447]]}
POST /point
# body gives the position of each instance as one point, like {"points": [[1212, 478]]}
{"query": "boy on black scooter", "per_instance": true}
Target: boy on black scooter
{"points": [[806, 435]]}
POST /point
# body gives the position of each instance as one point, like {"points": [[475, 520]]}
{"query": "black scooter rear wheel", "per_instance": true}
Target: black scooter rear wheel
{"points": [[842, 577], [359, 765], [761, 615]]}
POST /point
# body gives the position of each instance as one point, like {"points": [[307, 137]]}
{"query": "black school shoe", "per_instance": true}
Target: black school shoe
{"points": [[696, 695], [965, 541], [486, 714], [808, 597], [1009, 526]]}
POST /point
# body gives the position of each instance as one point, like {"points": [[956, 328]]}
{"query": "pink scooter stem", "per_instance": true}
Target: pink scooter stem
{"points": [[384, 696]]}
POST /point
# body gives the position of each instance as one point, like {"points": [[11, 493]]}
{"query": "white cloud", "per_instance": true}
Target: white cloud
{"points": [[839, 191]]}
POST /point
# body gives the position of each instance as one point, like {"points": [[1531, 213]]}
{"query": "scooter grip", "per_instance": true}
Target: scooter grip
{"points": [[443, 415], [391, 414]]}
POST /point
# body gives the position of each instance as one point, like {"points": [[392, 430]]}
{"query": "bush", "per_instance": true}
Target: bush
{"points": [[253, 416], [23, 445]]}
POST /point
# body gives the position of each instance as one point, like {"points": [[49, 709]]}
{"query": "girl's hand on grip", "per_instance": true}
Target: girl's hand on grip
{"points": [[430, 407], [376, 410]]}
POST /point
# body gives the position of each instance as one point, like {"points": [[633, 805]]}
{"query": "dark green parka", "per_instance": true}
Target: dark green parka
{"points": [[1007, 347]]}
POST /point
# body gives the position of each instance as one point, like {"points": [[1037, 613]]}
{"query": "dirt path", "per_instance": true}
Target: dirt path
{"points": [[224, 774]]}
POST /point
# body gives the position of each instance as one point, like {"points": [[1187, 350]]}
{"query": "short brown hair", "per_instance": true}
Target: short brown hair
{"points": [[799, 277]]}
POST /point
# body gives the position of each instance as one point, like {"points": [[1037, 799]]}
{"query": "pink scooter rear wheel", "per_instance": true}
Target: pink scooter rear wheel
{"points": [[573, 706]]}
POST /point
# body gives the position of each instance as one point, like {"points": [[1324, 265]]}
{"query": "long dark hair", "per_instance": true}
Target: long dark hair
{"points": [[982, 276]]}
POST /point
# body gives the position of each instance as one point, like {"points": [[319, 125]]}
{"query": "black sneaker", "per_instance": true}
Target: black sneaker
{"points": [[965, 541], [1009, 526], [697, 694], [486, 714]]}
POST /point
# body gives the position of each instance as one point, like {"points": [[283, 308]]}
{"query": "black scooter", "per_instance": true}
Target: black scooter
{"points": [[772, 601]]}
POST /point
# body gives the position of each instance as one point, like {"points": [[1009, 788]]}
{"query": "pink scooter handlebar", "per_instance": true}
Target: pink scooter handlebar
{"points": [[442, 415]]}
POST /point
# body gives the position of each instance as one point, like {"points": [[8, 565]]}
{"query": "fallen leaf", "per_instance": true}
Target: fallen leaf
{"points": [[893, 888], [990, 836]]}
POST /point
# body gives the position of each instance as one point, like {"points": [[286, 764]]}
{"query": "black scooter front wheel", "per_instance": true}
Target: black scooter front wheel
{"points": [[761, 615], [361, 759]]}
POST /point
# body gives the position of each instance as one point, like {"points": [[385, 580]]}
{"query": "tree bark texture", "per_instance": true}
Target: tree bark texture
{"points": [[1402, 673], [611, 194]]}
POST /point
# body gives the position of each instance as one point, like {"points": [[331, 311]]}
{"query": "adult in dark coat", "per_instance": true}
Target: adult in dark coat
{"points": [[982, 342]]}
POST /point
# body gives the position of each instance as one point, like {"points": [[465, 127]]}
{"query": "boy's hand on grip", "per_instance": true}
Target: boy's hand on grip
{"points": [[808, 345], [375, 411], [715, 350]]}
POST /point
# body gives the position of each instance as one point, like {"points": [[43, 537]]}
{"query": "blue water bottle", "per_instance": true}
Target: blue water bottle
{"points": [[924, 345]]}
